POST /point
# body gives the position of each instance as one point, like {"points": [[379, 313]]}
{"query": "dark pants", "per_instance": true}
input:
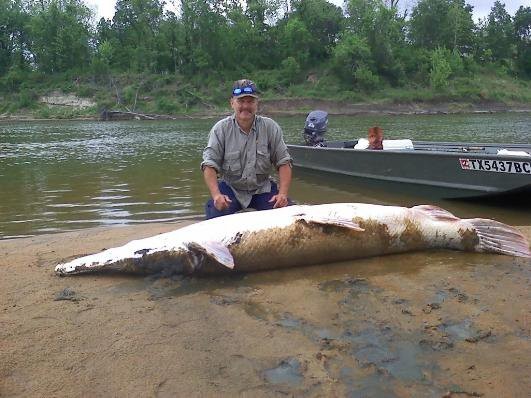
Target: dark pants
{"points": [[259, 201]]}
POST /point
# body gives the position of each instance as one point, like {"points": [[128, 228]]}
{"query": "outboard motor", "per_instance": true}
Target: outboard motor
{"points": [[315, 128]]}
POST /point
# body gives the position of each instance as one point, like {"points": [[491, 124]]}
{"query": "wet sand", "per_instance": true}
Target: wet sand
{"points": [[430, 324]]}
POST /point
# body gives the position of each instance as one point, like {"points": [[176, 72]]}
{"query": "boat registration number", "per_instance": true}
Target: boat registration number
{"points": [[499, 166]]}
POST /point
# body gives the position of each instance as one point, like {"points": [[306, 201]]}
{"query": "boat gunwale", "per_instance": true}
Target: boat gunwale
{"points": [[435, 151]]}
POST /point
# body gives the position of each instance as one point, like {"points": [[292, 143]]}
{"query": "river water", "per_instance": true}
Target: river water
{"points": [[65, 175]]}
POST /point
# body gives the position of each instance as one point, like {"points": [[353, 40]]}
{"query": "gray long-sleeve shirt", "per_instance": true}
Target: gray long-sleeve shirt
{"points": [[245, 161]]}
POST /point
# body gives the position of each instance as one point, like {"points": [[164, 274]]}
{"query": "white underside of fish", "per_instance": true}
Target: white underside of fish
{"points": [[302, 235]]}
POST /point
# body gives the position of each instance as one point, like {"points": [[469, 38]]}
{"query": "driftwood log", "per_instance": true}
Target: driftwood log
{"points": [[125, 115]]}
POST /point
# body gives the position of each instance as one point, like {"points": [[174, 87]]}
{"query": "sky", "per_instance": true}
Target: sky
{"points": [[105, 8]]}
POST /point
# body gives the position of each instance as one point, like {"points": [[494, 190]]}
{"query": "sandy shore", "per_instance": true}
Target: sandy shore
{"points": [[429, 324]]}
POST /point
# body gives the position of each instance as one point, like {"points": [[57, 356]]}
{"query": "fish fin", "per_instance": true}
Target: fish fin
{"points": [[496, 237], [214, 250], [435, 213], [333, 219]]}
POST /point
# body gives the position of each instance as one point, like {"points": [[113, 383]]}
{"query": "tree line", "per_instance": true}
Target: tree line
{"points": [[366, 45]]}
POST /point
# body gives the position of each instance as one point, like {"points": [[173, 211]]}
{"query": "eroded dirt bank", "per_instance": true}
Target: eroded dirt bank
{"points": [[428, 324], [279, 107]]}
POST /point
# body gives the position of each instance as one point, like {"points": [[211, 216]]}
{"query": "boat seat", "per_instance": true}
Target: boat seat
{"points": [[363, 143], [397, 144], [393, 145], [512, 152]]}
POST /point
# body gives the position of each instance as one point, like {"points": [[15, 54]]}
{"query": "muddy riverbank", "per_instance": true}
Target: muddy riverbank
{"points": [[428, 324]]}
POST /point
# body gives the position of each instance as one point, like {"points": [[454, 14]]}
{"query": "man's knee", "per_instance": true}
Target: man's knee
{"points": [[212, 212], [264, 201], [210, 209]]}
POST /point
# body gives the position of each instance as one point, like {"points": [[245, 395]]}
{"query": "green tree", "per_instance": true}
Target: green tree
{"points": [[441, 70], [296, 41], [442, 23], [522, 34], [361, 16], [386, 40], [205, 33], [290, 70], [262, 13], [349, 55], [461, 27], [248, 39], [169, 44], [102, 60], [499, 33], [384, 31], [135, 25], [104, 32], [60, 32], [13, 35], [104, 42], [323, 21]]}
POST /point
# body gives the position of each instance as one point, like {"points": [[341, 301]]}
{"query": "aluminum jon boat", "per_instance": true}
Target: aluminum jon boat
{"points": [[445, 169]]}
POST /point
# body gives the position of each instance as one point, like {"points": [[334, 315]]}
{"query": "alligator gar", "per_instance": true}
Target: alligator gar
{"points": [[302, 235]]}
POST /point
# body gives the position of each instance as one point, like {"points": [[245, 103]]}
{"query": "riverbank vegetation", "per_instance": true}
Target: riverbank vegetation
{"points": [[151, 60]]}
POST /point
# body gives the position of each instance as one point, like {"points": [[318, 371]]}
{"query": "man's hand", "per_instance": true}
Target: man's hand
{"points": [[221, 202], [280, 199]]}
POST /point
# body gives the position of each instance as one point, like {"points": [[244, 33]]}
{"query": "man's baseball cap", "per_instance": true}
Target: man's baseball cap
{"points": [[243, 88]]}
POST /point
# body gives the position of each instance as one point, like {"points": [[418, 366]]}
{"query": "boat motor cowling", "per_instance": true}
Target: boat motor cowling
{"points": [[315, 128]]}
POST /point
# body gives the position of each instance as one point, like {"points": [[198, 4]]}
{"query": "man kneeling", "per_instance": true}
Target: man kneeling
{"points": [[242, 149]]}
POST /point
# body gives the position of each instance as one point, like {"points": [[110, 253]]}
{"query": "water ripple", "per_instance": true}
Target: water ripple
{"points": [[64, 175]]}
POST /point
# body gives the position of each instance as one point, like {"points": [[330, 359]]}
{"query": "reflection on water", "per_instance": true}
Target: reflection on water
{"points": [[65, 175], [59, 176]]}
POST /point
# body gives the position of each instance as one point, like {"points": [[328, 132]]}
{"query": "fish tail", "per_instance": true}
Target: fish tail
{"points": [[496, 237]]}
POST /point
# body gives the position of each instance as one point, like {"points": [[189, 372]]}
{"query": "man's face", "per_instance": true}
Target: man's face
{"points": [[245, 108]]}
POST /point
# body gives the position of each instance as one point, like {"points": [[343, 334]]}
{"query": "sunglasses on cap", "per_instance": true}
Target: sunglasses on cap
{"points": [[243, 90]]}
